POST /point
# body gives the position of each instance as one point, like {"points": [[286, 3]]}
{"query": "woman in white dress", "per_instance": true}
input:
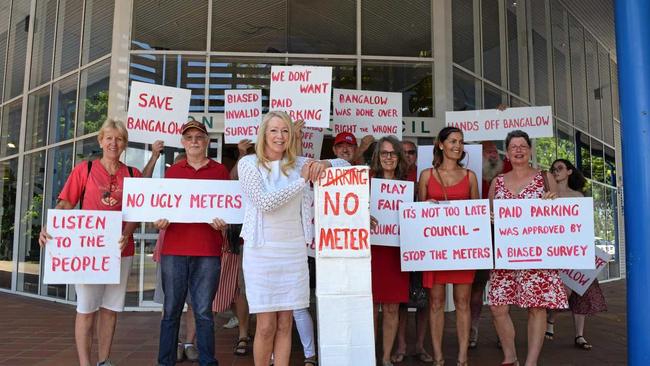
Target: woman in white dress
{"points": [[277, 225]]}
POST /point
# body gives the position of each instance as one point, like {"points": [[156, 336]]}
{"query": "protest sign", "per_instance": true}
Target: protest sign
{"points": [[386, 196], [242, 114], [473, 161], [84, 248], [579, 280], [304, 92], [544, 234], [445, 236], [157, 112], [493, 124], [312, 142], [182, 200], [362, 113]]}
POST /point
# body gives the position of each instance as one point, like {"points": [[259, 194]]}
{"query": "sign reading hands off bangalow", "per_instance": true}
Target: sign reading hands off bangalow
{"points": [[84, 248], [493, 124], [544, 234], [157, 112], [362, 113], [579, 280], [304, 92]]}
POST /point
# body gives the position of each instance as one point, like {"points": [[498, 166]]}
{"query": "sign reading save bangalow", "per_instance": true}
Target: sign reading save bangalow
{"points": [[544, 234], [362, 113], [445, 236], [242, 114], [304, 92], [157, 112], [182, 200], [493, 124], [84, 248]]}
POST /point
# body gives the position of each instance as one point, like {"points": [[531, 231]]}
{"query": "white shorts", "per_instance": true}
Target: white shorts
{"points": [[91, 297]]}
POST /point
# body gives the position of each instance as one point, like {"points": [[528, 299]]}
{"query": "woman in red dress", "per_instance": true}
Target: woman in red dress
{"points": [[448, 181], [390, 285]]}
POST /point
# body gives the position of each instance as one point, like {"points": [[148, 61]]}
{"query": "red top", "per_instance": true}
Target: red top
{"points": [[507, 166], [412, 174], [103, 190], [196, 239]]}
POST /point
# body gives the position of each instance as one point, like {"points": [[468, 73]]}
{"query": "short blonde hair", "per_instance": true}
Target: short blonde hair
{"points": [[289, 154], [113, 124]]}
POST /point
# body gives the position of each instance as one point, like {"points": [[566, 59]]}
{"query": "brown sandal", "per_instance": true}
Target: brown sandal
{"points": [[241, 347]]}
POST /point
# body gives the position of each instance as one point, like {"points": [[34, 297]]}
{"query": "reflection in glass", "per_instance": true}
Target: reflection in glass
{"points": [[322, 26], [149, 273], [462, 33], [93, 97], [606, 101], [87, 149], [43, 42], [578, 77], [98, 29], [17, 48], [68, 36], [559, 30], [133, 285], [615, 101], [59, 166], [612, 230], [491, 41], [594, 90], [64, 106], [29, 252], [546, 152], [492, 97], [10, 128], [517, 48], [8, 171], [566, 148], [4, 23], [610, 166], [597, 161], [583, 159], [157, 25], [466, 88], [38, 106], [540, 36]]}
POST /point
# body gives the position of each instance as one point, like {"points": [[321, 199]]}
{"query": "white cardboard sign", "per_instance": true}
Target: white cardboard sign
{"points": [[473, 161], [579, 280], [242, 114], [304, 92], [312, 142], [182, 200], [84, 248], [157, 112], [446, 236], [386, 196], [493, 124], [544, 234], [363, 112]]}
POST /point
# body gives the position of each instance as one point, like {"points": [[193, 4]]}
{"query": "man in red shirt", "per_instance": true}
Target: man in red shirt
{"points": [[345, 147], [191, 256]]}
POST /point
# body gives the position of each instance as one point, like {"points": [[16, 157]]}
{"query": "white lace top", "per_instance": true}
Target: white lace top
{"points": [[262, 196]]}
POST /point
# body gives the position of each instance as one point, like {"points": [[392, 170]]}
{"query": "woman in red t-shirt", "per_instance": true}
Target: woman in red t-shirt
{"points": [[448, 180]]}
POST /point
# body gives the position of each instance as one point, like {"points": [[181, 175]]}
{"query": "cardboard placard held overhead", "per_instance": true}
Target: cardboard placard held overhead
{"points": [[386, 196], [363, 112], [304, 92], [157, 112], [84, 248], [312, 142], [473, 161], [579, 280], [493, 124], [242, 114]]}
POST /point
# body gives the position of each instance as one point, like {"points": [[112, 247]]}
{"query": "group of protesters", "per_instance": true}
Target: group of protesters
{"points": [[272, 276]]}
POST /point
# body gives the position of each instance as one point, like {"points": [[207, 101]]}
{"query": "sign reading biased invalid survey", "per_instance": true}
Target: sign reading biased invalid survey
{"points": [[182, 200], [386, 196], [544, 234], [304, 92], [493, 124], [84, 248], [157, 112], [579, 280], [242, 114], [445, 236], [364, 113]]}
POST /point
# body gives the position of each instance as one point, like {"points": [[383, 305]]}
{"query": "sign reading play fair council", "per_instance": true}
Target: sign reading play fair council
{"points": [[84, 248], [386, 196], [473, 161], [493, 124], [445, 236], [242, 114], [579, 280], [182, 200], [157, 112], [544, 234], [304, 92], [362, 113]]}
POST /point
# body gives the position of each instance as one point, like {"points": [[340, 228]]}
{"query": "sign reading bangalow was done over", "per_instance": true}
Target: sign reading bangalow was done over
{"points": [[544, 234], [445, 236], [157, 112], [304, 92], [493, 124], [362, 113]]}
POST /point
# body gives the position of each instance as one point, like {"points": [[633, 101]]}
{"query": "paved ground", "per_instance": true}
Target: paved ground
{"points": [[39, 332]]}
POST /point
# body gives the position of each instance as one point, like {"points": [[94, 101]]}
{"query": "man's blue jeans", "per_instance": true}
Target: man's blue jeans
{"points": [[199, 276]]}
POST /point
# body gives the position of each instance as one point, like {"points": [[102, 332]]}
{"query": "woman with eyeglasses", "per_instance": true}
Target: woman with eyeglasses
{"points": [[448, 180], [390, 285], [534, 289]]}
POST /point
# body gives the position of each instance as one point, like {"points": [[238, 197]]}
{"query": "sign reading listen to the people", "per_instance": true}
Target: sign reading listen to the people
{"points": [[579, 280], [84, 248], [242, 114], [157, 112], [493, 124], [304, 92], [363, 112], [386, 196], [182, 200], [544, 234], [446, 235]]}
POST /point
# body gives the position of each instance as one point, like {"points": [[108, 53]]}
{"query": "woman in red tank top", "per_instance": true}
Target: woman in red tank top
{"points": [[448, 181]]}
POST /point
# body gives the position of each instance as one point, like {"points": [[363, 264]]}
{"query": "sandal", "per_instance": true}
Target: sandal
{"points": [[424, 356], [398, 357], [439, 362], [515, 363], [463, 363], [582, 345], [241, 347], [313, 360], [549, 332]]}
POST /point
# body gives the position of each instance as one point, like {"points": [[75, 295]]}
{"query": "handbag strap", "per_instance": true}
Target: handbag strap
{"points": [[442, 184]]}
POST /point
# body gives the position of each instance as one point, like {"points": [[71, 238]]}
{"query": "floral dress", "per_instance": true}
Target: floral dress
{"points": [[528, 288]]}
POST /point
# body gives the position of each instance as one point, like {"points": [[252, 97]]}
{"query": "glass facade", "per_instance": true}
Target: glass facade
{"points": [[56, 67]]}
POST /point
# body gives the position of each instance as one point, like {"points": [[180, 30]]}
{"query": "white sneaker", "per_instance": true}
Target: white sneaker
{"points": [[232, 323]]}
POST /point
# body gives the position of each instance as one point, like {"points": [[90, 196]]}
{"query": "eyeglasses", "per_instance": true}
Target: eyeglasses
{"points": [[410, 152], [194, 138], [388, 154], [518, 147]]}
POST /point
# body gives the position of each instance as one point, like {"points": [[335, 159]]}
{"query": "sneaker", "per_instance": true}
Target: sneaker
{"points": [[232, 323], [105, 363], [191, 352], [180, 352]]}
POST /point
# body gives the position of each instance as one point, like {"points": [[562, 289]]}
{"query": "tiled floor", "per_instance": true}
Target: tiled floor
{"points": [[39, 332]]}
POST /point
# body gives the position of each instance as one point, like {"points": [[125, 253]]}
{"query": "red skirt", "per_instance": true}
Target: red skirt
{"points": [[431, 278], [389, 284]]}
